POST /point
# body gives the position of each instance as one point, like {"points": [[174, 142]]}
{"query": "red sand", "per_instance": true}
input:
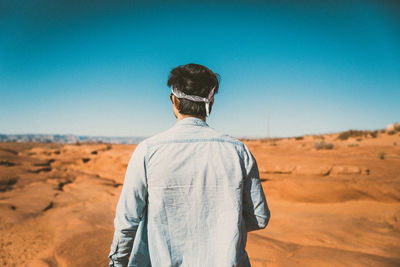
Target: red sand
{"points": [[330, 207]]}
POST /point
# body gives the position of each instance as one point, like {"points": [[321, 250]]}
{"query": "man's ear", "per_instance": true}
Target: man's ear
{"points": [[211, 105], [175, 102]]}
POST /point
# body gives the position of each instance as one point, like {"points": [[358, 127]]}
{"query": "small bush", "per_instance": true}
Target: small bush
{"points": [[359, 134], [299, 138], [391, 132], [343, 136], [352, 145], [373, 134], [397, 127], [350, 133], [323, 145], [381, 155]]}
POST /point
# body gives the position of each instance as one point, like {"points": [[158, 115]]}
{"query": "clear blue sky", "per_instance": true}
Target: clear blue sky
{"points": [[72, 67]]}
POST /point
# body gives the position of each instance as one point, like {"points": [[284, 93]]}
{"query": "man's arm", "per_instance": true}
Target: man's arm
{"points": [[129, 208], [255, 209]]}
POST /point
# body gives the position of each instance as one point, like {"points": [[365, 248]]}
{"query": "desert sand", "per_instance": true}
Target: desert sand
{"points": [[334, 206]]}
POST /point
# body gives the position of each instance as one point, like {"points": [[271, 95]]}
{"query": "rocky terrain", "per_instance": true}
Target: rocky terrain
{"points": [[334, 200], [67, 139]]}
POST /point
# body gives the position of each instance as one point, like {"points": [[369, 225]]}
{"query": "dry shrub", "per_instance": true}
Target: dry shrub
{"points": [[350, 133], [323, 145], [357, 133], [373, 134], [391, 132], [352, 145], [299, 138], [381, 155]]}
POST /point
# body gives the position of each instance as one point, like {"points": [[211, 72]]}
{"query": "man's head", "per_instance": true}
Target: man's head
{"points": [[193, 88]]}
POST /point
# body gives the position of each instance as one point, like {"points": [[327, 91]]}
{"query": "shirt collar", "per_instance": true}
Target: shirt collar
{"points": [[192, 121]]}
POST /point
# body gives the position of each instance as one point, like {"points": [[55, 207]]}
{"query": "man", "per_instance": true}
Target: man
{"points": [[190, 194]]}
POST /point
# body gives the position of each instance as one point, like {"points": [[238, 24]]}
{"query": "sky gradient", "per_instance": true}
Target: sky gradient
{"points": [[101, 68]]}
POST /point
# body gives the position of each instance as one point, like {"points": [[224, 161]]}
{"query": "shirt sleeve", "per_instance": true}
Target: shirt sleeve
{"points": [[130, 207], [255, 208]]}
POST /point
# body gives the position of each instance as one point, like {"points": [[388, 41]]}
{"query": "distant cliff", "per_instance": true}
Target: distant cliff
{"points": [[67, 139]]}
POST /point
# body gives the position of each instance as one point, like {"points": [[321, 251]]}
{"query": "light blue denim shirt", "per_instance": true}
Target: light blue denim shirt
{"points": [[189, 198]]}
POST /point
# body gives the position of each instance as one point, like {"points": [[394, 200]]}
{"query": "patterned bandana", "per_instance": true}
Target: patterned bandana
{"points": [[195, 98]]}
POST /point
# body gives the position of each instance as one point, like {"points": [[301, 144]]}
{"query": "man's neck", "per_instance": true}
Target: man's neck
{"points": [[181, 117]]}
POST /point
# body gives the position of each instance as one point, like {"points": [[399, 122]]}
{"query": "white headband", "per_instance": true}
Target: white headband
{"points": [[195, 98]]}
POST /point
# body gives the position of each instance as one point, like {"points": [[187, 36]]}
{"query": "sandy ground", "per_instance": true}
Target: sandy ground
{"points": [[330, 207]]}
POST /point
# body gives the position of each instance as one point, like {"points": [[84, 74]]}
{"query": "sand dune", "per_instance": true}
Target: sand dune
{"points": [[333, 206]]}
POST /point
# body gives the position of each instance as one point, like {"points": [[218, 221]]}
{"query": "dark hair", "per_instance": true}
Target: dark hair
{"points": [[193, 79]]}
